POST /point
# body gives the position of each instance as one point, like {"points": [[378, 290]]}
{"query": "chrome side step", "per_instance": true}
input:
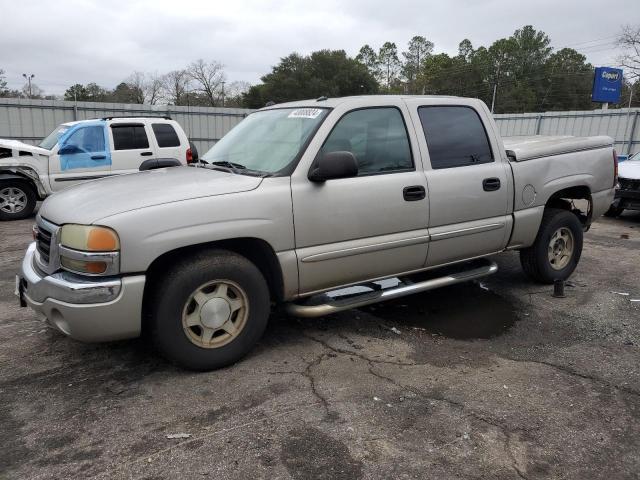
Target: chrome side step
{"points": [[311, 308]]}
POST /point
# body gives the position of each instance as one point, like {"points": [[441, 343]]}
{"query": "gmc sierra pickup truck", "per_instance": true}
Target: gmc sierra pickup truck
{"points": [[393, 194], [76, 152]]}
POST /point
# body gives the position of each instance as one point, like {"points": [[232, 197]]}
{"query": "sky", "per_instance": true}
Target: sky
{"points": [[81, 41]]}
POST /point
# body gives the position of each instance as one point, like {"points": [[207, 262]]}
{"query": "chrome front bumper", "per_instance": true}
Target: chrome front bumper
{"points": [[87, 309]]}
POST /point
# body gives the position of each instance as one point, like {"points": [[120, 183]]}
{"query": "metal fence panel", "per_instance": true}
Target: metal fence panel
{"points": [[32, 120], [622, 125]]}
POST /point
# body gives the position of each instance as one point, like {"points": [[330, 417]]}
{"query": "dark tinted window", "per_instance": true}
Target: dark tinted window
{"points": [[129, 137], [376, 136], [455, 136], [165, 135]]}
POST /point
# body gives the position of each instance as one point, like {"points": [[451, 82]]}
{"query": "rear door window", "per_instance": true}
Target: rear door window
{"points": [[165, 135], [455, 136], [129, 136]]}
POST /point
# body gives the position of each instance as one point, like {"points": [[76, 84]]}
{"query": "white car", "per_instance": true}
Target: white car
{"points": [[628, 188], [76, 152]]}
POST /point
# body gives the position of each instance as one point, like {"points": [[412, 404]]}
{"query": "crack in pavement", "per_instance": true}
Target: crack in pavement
{"points": [[572, 372], [223, 431], [465, 411]]}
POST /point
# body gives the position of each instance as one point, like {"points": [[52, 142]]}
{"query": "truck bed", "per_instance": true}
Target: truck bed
{"points": [[522, 148]]}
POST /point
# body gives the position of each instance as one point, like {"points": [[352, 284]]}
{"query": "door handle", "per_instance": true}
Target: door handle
{"points": [[146, 154], [413, 193], [98, 157], [491, 184]]}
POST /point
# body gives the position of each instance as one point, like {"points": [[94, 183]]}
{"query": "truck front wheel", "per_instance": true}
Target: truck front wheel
{"points": [[557, 248], [210, 310], [17, 199]]}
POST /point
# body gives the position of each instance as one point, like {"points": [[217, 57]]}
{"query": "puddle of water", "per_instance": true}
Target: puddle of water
{"points": [[465, 311]]}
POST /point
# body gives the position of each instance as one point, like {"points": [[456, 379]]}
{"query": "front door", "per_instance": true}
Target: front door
{"points": [[82, 154], [374, 225]]}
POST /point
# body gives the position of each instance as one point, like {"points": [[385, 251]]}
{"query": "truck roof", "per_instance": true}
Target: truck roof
{"points": [[126, 119], [334, 102]]}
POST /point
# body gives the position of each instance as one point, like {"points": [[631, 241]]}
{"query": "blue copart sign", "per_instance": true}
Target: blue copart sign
{"points": [[607, 85]]}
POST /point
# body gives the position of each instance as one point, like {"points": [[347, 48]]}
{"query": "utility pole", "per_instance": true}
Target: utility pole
{"points": [[29, 77], [223, 94], [493, 99]]}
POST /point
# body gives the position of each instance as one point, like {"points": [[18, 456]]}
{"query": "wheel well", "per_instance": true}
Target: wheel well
{"points": [[256, 250], [21, 175], [564, 199]]}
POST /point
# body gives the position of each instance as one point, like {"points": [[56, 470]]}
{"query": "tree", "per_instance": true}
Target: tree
{"points": [[125, 93], [153, 88], [137, 85], [418, 50], [3, 83], [368, 57], [567, 82], [175, 85], [328, 73], [76, 92], [388, 59], [465, 50], [208, 78], [629, 41]]}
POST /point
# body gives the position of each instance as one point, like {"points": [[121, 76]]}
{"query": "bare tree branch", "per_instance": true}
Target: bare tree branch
{"points": [[208, 78]]}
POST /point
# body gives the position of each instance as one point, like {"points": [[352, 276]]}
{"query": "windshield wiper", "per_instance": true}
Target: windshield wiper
{"points": [[224, 163]]}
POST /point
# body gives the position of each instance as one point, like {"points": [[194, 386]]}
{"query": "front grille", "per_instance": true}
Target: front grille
{"points": [[43, 243], [628, 184]]}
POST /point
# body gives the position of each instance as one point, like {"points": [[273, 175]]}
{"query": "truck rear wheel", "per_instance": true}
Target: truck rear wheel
{"points": [[17, 199], [557, 248], [210, 310]]}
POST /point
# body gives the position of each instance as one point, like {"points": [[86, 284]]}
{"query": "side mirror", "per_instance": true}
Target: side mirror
{"points": [[334, 165], [69, 149]]}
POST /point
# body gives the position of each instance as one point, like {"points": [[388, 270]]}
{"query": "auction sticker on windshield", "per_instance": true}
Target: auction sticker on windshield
{"points": [[305, 113]]}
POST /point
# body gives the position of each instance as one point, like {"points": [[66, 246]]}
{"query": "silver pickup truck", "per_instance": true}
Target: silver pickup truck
{"points": [[392, 194]]}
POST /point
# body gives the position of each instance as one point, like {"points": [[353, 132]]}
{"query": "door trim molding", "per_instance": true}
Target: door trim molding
{"points": [[348, 252], [466, 231], [74, 179]]}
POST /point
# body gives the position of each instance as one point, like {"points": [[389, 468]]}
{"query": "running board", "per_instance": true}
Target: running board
{"points": [[328, 305]]}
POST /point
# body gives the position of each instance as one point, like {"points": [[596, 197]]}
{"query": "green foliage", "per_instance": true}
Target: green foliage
{"points": [[326, 72], [527, 74]]}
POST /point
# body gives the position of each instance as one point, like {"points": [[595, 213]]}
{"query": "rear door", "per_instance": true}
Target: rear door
{"points": [[470, 188], [168, 142], [130, 146]]}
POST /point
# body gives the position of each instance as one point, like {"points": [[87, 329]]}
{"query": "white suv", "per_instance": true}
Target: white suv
{"points": [[79, 151]]}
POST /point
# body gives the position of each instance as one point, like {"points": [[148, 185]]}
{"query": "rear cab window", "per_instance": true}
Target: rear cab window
{"points": [[129, 136], [455, 136], [166, 135]]}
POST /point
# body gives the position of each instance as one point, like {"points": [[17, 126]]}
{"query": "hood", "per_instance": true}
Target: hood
{"points": [[25, 147], [97, 199], [629, 169]]}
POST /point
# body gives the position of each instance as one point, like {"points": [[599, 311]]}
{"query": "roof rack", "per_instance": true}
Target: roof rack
{"points": [[165, 117]]}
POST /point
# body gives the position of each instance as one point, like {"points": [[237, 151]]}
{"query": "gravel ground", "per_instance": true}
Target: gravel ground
{"points": [[484, 380]]}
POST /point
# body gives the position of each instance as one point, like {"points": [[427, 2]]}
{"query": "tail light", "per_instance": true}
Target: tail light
{"points": [[615, 168], [190, 158]]}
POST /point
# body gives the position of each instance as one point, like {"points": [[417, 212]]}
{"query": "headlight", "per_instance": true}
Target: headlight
{"points": [[89, 238], [89, 249]]}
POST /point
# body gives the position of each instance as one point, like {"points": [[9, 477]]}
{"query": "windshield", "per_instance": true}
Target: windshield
{"points": [[267, 141], [50, 140]]}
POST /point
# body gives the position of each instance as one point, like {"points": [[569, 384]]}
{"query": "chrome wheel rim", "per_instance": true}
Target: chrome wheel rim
{"points": [[560, 250], [12, 200], [215, 314]]}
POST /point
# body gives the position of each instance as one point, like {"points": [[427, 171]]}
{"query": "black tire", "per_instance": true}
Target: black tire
{"points": [[25, 191], [535, 260], [174, 291], [614, 211]]}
